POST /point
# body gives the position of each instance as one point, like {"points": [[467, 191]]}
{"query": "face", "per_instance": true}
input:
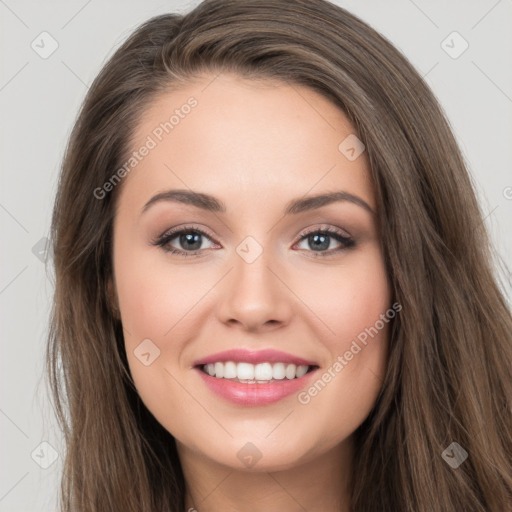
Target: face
{"points": [[254, 266]]}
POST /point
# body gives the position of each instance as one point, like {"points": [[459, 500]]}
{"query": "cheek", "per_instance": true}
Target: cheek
{"points": [[159, 302], [351, 298], [356, 307], [143, 298], [151, 301], [153, 294]]}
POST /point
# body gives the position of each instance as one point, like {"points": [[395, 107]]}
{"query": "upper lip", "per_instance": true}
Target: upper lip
{"points": [[239, 355]]}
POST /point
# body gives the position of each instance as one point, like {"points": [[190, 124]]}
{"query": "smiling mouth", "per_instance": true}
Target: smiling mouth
{"points": [[261, 373]]}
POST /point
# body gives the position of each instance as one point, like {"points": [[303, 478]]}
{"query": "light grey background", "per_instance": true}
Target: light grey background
{"points": [[40, 97]]}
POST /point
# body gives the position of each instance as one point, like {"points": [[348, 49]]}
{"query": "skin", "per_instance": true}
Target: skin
{"points": [[255, 145]]}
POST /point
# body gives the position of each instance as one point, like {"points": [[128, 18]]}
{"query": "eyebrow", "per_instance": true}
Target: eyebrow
{"points": [[214, 205]]}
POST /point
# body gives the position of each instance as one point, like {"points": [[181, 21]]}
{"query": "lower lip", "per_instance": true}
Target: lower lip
{"points": [[255, 394]]}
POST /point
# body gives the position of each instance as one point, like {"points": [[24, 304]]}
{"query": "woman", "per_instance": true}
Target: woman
{"points": [[334, 338]]}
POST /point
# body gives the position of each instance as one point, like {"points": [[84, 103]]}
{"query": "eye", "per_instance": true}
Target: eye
{"points": [[320, 240], [190, 239]]}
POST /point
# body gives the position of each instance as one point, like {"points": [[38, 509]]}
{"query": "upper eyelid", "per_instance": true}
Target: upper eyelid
{"points": [[330, 229], [302, 233], [173, 232]]}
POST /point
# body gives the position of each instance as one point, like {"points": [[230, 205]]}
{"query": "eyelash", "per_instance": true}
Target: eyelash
{"points": [[163, 240]]}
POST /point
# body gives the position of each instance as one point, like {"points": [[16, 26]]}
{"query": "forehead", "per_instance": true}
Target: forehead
{"points": [[245, 140]]}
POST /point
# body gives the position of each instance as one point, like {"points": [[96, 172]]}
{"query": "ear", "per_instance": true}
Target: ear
{"points": [[112, 299]]}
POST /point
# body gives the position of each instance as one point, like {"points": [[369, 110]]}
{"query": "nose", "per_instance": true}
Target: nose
{"points": [[254, 296]]}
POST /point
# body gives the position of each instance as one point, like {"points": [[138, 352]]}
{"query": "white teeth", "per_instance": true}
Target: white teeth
{"points": [[219, 370], [230, 371], [301, 371], [278, 371], [261, 373], [243, 371], [290, 371]]}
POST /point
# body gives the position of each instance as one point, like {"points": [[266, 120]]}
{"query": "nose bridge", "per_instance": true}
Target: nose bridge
{"points": [[253, 295], [252, 262]]}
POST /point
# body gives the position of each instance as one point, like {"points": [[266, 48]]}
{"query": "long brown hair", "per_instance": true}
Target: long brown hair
{"points": [[449, 375]]}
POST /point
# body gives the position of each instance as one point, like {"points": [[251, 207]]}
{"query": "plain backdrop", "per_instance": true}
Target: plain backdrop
{"points": [[40, 95]]}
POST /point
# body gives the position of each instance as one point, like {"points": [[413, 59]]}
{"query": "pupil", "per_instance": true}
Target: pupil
{"points": [[189, 239], [322, 245]]}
